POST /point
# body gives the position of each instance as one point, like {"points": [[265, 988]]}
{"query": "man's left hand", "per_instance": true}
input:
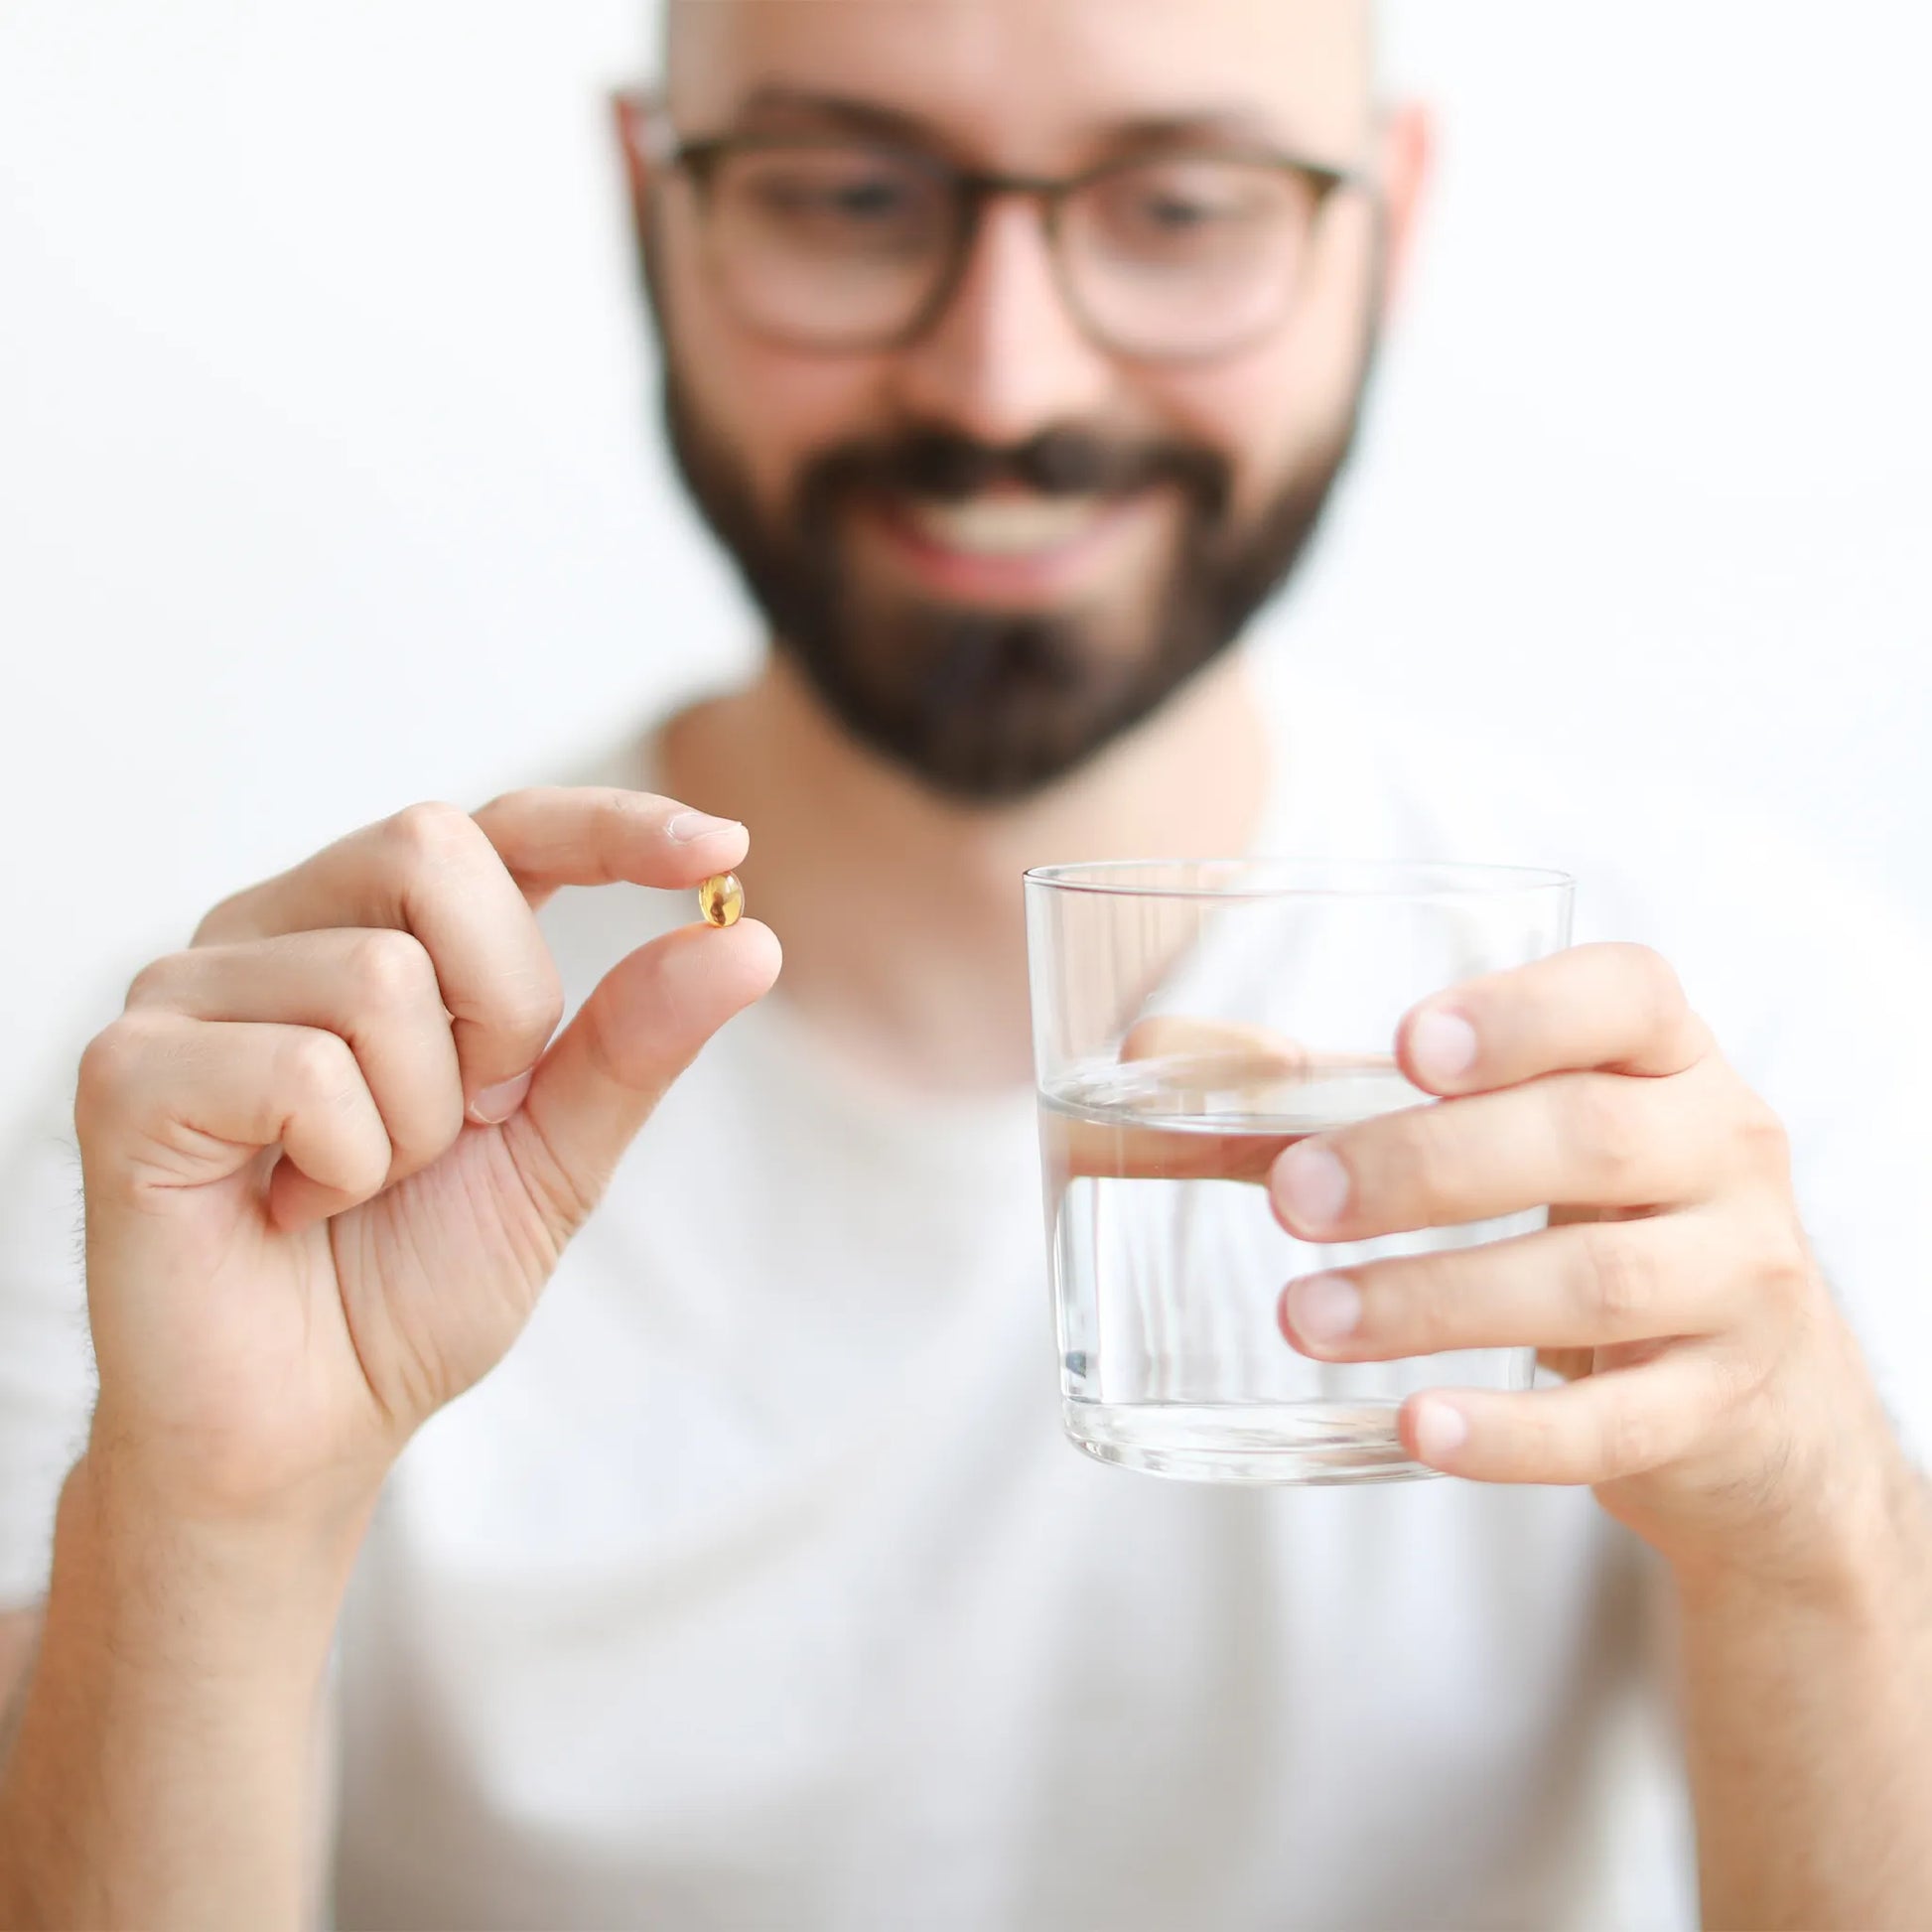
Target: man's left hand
{"points": [[1717, 1400]]}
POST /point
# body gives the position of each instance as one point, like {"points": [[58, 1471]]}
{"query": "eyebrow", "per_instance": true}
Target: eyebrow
{"points": [[767, 104]]}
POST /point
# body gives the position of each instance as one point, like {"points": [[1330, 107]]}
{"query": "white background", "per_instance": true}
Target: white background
{"points": [[328, 473]]}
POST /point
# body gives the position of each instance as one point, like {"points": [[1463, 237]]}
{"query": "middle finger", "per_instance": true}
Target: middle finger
{"points": [[430, 872], [1595, 1139]]}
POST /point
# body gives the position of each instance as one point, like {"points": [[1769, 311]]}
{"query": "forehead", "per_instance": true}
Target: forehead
{"points": [[1036, 84]]}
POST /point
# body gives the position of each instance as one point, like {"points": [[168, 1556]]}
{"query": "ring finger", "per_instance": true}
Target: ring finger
{"points": [[1589, 1284], [376, 990]]}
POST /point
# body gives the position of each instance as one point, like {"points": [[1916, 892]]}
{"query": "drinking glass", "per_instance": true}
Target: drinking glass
{"points": [[1191, 1019]]}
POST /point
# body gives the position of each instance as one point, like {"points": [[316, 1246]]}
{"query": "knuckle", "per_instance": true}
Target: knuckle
{"points": [[318, 1067], [1597, 1118], [153, 984], [1658, 986], [430, 834], [109, 1067], [1619, 1286], [390, 972]]}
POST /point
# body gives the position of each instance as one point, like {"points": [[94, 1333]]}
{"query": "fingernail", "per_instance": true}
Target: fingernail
{"points": [[1442, 1044], [687, 828], [497, 1104], [1440, 1429], [1324, 1308], [1311, 1185]]}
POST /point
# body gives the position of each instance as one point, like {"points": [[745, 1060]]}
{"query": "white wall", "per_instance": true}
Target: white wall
{"points": [[328, 476]]}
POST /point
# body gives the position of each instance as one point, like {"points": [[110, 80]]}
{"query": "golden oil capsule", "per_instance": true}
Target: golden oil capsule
{"points": [[721, 899]]}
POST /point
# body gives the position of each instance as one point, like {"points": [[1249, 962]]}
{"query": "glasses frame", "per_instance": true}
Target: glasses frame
{"points": [[648, 127]]}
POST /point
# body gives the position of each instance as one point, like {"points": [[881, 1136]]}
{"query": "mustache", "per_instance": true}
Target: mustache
{"points": [[1067, 460]]}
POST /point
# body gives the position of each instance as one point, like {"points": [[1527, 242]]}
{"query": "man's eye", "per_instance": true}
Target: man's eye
{"points": [[1189, 207], [1172, 212], [856, 203], [831, 207], [1191, 213], [869, 200]]}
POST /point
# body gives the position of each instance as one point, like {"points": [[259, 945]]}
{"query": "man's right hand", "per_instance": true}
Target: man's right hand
{"points": [[331, 1156]]}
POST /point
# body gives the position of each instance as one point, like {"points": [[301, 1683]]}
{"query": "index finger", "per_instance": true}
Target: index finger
{"points": [[549, 836], [1616, 1009], [468, 884]]}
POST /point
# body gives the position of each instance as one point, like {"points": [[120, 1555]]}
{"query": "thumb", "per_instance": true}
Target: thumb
{"points": [[635, 1033]]}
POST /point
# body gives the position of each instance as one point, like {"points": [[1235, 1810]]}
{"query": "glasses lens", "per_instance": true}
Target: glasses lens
{"points": [[1185, 255], [829, 244]]}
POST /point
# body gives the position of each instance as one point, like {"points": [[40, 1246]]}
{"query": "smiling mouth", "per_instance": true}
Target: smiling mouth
{"points": [[1004, 524], [1021, 548]]}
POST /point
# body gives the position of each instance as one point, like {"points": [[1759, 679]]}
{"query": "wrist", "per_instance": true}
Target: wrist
{"points": [[194, 1594], [1844, 1530], [229, 1488]]}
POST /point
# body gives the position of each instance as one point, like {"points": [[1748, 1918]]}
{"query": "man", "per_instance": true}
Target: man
{"points": [[1012, 349]]}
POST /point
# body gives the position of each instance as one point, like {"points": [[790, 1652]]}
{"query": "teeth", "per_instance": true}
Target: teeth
{"points": [[1004, 526]]}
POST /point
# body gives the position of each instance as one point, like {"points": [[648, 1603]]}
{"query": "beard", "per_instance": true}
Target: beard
{"points": [[980, 705]]}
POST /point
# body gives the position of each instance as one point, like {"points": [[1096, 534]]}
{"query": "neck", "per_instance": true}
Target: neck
{"points": [[901, 911]]}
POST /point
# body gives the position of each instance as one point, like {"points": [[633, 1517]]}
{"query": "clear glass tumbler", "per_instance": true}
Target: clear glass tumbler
{"points": [[1191, 1019]]}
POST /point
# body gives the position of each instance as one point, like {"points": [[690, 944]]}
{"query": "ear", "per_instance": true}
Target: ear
{"points": [[1407, 155], [629, 121]]}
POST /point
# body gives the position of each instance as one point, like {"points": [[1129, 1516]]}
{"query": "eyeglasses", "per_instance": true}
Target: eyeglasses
{"points": [[845, 243]]}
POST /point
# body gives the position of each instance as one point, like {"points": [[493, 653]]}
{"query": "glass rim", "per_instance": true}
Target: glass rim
{"points": [[1301, 879]]}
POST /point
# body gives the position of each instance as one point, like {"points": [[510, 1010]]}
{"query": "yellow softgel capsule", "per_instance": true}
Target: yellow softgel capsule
{"points": [[721, 899]]}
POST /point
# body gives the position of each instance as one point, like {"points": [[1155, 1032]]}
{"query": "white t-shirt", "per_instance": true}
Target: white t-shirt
{"points": [[757, 1589]]}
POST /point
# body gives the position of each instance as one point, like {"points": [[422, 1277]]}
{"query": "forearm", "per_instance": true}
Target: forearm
{"points": [[1808, 1705], [160, 1773]]}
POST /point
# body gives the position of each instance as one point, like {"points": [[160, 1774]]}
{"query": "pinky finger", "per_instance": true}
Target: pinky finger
{"points": [[1614, 1424], [168, 1104]]}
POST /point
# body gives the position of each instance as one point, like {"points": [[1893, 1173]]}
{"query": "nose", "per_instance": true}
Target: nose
{"points": [[1006, 357]]}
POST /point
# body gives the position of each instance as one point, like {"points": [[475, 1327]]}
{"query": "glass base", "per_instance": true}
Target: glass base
{"points": [[1247, 1441]]}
